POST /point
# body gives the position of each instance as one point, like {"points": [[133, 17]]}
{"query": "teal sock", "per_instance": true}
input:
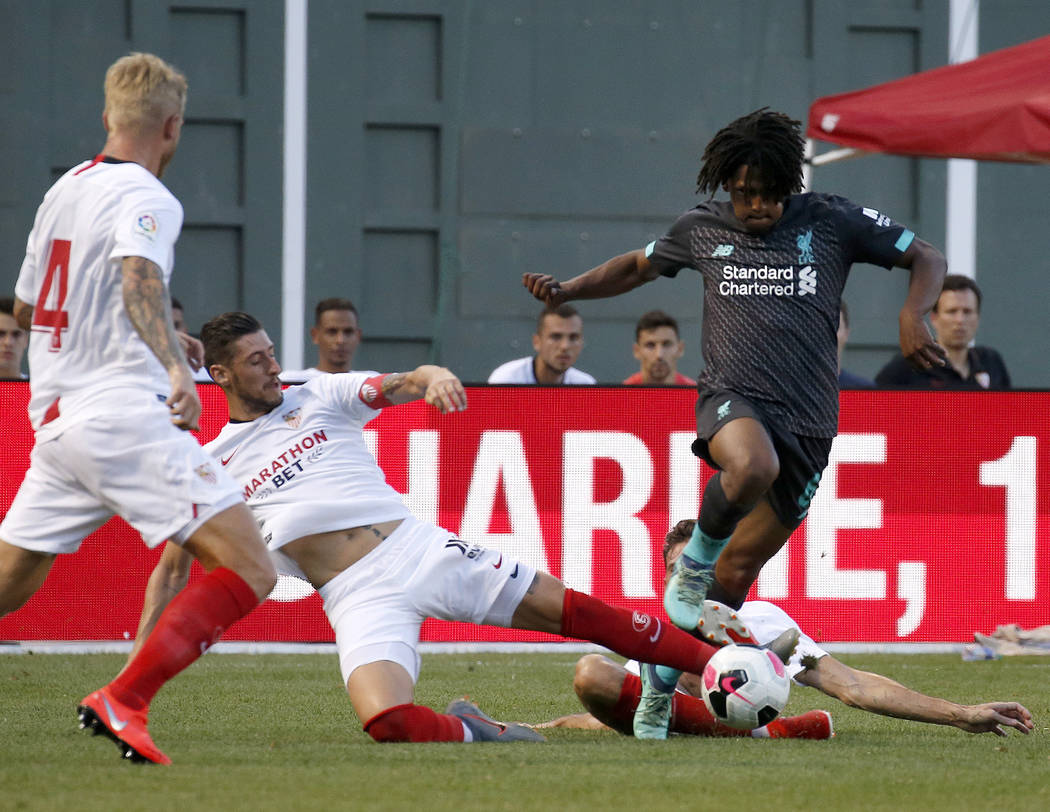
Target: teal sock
{"points": [[667, 675], [702, 548]]}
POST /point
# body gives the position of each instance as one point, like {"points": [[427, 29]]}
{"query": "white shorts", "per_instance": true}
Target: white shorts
{"points": [[377, 605], [134, 464]]}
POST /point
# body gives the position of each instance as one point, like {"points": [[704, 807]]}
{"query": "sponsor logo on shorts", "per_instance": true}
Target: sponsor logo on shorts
{"points": [[514, 574], [207, 473], [146, 225], [293, 418], [471, 551], [499, 563], [723, 410]]}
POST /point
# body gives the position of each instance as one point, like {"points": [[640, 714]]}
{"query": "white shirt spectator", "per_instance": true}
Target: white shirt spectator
{"points": [[523, 370]]}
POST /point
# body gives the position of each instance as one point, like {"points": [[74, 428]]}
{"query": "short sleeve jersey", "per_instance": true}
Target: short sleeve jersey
{"points": [[82, 345], [304, 467], [523, 370], [771, 301]]}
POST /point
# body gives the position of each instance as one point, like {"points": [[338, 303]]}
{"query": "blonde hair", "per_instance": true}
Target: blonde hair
{"points": [[141, 91]]}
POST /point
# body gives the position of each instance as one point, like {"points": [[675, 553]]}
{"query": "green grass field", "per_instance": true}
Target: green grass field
{"points": [[268, 732]]}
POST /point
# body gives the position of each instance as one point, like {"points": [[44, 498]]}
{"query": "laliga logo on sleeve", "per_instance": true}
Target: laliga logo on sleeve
{"points": [[146, 225]]}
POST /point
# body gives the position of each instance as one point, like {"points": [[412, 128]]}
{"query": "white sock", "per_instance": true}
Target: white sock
{"points": [[467, 735], [760, 733]]}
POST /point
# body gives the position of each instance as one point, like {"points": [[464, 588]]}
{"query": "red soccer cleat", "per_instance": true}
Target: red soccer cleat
{"points": [[102, 713], [815, 724], [719, 625]]}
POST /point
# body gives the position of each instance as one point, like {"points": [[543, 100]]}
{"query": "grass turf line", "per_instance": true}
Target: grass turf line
{"points": [[277, 732]]}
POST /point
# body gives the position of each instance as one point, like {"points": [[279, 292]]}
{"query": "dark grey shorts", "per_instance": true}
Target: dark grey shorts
{"points": [[802, 459]]}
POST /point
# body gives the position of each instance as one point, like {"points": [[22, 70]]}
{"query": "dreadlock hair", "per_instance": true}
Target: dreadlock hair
{"points": [[768, 142]]}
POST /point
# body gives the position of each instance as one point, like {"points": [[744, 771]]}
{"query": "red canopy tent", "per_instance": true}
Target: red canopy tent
{"points": [[993, 108]]}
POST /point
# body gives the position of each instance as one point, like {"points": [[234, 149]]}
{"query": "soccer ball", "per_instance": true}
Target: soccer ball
{"points": [[745, 687]]}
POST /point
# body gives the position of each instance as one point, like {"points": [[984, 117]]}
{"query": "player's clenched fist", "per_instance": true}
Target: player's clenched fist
{"points": [[445, 392], [544, 287]]}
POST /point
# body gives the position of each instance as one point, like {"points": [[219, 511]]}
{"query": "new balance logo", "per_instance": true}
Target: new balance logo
{"points": [[722, 251], [807, 281], [723, 410]]}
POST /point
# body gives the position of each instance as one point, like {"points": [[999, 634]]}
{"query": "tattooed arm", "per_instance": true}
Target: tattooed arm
{"points": [[437, 385], [148, 306]]}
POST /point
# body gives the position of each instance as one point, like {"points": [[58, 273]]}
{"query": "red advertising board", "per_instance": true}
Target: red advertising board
{"points": [[930, 522]]}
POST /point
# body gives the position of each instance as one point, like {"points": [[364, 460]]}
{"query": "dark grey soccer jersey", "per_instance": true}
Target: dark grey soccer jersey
{"points": [[771, 301]]}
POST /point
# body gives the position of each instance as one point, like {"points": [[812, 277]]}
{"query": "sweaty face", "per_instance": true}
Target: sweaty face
{"points": [[955, 319], [559, 342], [658, 351], [336, 336], [754, 208], [252, 373], [13, 340]]}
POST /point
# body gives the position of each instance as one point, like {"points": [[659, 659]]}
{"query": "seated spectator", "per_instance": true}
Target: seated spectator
{"points": [[178, 318], [954, 318], [557, 342], [13, 342], [847, 379], [337, 334], [657, 346]]}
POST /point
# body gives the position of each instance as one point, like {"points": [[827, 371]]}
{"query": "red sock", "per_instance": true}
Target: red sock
{"points": [[689, 715], [194, 620], [414, 723], [635, 635]]}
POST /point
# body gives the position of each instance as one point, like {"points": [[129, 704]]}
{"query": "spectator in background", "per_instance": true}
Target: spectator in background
{"points": [[13, 342], [337, 334], [847, 380], [955, 318], [557, 342], [657, 346], [178, 316], [190, 343]]}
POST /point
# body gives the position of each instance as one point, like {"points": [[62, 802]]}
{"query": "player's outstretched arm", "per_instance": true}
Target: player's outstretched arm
{"points": [[168, 578], [928, 267], [613, 277], [878, 694], [438, 386], [148, 305]]}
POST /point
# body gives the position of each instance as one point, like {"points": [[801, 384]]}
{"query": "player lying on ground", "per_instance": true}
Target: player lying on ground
{"points": [[113, 400], [610, 691], [328, 515]]}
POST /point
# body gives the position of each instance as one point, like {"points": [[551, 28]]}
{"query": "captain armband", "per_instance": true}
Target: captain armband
{"points": [[371, 392]]}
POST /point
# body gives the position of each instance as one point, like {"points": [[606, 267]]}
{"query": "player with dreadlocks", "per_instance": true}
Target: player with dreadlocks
{"points": [[774, 263]]}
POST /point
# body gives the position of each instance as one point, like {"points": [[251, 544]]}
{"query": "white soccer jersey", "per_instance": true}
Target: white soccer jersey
{"points": [[522, 370], [304, 467], [82, 345]]}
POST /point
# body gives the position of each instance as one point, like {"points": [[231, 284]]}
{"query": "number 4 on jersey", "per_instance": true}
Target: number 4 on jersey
{"points": [[55, 318]]}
